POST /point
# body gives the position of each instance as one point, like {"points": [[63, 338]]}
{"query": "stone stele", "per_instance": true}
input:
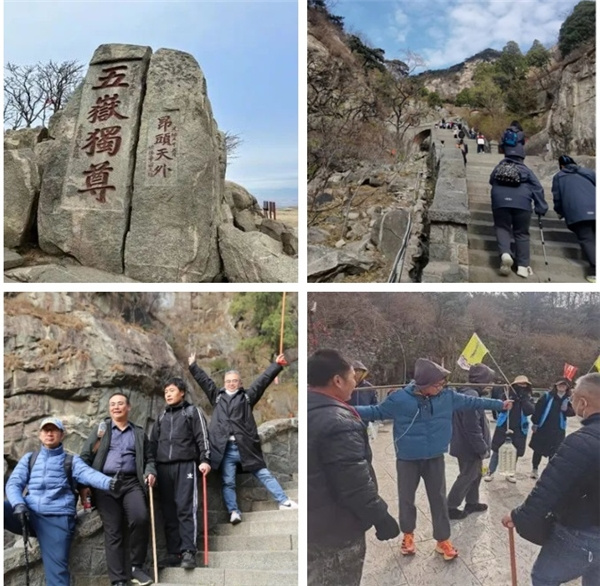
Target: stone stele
{"points": [[179, 177]]}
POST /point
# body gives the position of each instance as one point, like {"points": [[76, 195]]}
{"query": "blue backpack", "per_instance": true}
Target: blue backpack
{"points": [[510, 138]]}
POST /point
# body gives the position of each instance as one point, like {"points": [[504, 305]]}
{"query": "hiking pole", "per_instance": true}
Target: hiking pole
{"points": [[543, 245], [152, 523], [205, 519], [25, 544], [282, 324], [513, 559]]}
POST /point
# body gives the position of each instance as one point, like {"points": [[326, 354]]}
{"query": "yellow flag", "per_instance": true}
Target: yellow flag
{"points": [[597, 363], [473, 353]]}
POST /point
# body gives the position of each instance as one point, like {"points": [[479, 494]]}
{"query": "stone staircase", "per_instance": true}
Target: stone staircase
{"points": [[565, 262], [262, 550]]}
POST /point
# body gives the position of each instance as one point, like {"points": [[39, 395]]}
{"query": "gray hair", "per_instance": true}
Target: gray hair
{"points": [[232, 372], [589, 385]]}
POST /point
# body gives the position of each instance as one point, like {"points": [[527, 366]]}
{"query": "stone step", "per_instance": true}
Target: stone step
{"points": [[253, 543], [227, 577], [269, 505], [270, 516], [281, 526], [483, 213], [554, 250], [261, 493], [254, 560], [551, 235]]}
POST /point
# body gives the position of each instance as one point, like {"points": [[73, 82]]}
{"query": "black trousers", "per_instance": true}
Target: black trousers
{"points": [[466, 485], [178, 494], [127, 508], [336, 566], [586, 236], [513, 223]]}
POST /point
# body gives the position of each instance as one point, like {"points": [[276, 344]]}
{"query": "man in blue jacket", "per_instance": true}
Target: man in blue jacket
{"points": [[574, 194], [562, 512], [422, 414], [48, 508]]}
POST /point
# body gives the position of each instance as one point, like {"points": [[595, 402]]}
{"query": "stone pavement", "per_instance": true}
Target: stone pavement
{"points": [[481, 540]]}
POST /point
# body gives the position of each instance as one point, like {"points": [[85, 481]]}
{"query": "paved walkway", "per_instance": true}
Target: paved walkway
{"points": [[481, 539]]}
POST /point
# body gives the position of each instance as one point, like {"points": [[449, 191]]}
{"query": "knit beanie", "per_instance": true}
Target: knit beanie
{"points": [[428, 373], [480, 373]]}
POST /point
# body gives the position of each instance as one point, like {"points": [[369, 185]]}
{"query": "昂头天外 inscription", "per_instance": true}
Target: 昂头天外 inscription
{"points": [[161, 164]]}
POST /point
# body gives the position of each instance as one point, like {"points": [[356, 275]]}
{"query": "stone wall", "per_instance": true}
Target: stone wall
{"points": [[448, 221], [279, 440]]}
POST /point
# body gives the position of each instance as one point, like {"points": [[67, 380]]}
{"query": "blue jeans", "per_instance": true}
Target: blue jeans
{"points": [[228, 469], [568, 554]]}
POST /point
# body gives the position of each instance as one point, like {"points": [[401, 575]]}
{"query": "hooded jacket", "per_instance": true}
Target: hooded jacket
{"points": [[529, 193], [423, 425], [574, 194], [471, 437], [519, 149], [49, 491], [343, 502], [550, 416], [232, 415]]}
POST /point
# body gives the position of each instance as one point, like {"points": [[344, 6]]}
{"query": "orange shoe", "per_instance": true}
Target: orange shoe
{"points": [[408, 544], [446, 549]]}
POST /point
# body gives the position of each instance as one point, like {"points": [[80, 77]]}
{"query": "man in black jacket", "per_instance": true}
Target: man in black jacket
{"points": [[471, 444], [569, 491], [118, 447], [234, 439], [179, 442], [342, 488]]}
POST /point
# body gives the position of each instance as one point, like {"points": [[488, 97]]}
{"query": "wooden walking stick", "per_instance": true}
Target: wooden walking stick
{"points": [[282, 324], [513, 560], [205, 521], [151, 491]]}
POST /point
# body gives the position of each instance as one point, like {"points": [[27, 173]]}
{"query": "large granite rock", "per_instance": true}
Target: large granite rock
{"points": [[325, 263], [389, 231], [21, 189], [54, 273], [24, 138], [178, 185], [254, 257], [282, 233], [86, 190]]}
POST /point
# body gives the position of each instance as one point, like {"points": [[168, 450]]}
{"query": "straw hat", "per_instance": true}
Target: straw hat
{"points": [[521, 380]]}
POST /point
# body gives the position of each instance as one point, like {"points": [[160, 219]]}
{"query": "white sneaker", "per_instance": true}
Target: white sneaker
{"points": [[506, 263], [524, 272], [235, 518], [488, 478], [288, 505], [511, 478]]}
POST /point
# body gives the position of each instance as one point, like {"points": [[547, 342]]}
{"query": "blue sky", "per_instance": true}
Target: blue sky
{"points": [[445, 32], [248, 51]]}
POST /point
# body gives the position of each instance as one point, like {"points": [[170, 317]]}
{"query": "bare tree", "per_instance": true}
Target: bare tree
{"points": [[34, 92], [232, 143]]}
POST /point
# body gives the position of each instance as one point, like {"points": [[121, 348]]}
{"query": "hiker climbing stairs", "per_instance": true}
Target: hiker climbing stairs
{"points": [[262, 550], [565, 261]]}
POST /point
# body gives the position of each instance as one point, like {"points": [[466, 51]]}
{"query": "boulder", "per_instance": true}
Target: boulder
{"points": [[178, 185], [389, 230], [21, 189], [12, 259], [317, 235], [240, 198], [282, 233], [24, 138], [325, 263], [53, 273], [246, 220], [254, 257]]}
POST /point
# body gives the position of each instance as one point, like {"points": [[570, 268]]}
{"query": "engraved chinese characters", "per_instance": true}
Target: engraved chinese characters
{"points": [[162, 150]]}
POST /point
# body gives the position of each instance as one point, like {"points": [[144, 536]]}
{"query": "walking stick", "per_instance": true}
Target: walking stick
{"points": [[153, 534], [513, 560], [25, 545], [282, 323], [205, 520], [543, 244]]}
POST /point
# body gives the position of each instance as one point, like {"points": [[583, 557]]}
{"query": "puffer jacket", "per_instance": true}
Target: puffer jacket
{"points": [[343, 502], [574, 194], [180, 435], [423, 425], [569, 487], [529, 192], [49, 490]]}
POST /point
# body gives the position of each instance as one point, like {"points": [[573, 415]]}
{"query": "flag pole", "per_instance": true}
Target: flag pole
{"points": [[282, 324]]}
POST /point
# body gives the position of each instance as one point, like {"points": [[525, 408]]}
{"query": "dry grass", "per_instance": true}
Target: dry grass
{"points": [[20, 305], [288, 216]]}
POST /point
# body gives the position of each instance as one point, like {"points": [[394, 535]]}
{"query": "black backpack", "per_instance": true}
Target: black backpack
{"points": [[510, 138], [68, 464], [507, 174]]}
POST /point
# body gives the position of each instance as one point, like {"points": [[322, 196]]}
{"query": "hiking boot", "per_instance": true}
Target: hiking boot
{"points": [[188, 560], [408, 544], [475, 508], [524, 272], [446, 549], [456, 514], [534, 474], [235, 518], [138, 576], [511, 478], [506, 263], [488, 478], [288, 505], [591, 278]]}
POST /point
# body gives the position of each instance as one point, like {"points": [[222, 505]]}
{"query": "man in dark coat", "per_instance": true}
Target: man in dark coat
{"points": [[549, 422], [574, 193], [342, 488], [511, 208], [523, 407], [471, 444], [363, 394], [233, 435], [562, 512]]}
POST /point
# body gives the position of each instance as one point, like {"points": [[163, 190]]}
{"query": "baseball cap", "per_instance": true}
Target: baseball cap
{"points": [[52, 421]]}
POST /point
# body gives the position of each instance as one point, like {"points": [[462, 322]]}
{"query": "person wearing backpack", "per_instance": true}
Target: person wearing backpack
{"points": [[574, 194], [122, 449], [179, 443], [48, 507], [515, 190], [233, 434], [512, 142]]}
